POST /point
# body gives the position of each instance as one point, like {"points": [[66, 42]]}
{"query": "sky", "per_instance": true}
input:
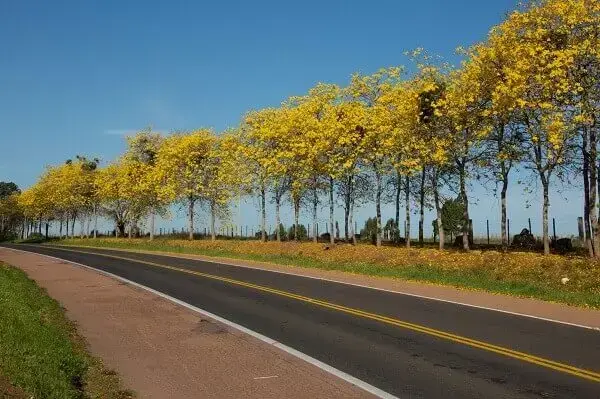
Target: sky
{"points": [[77, 76]]}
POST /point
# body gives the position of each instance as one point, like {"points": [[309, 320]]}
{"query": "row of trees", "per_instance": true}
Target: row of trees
{"points": [[526, 97]]}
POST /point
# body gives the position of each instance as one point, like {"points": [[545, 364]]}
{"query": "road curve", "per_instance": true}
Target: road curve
{"points": [[403, 345]]}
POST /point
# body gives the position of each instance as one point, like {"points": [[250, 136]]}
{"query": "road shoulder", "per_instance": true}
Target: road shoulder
{"points": [[162, 349]]}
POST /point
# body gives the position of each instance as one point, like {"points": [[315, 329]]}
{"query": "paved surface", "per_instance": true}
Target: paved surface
{"points": [[528, 306], [407, 361], [163, 350]]}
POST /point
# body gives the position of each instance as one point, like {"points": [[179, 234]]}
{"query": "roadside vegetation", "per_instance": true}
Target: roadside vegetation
{"points": [[41, 354], [523, 274]]}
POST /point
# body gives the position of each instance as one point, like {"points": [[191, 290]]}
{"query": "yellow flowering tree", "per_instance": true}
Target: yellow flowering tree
{"points": [[180, 165], [369, 90], [142, 148]]}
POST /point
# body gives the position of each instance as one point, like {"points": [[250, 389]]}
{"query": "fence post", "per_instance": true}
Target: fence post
{"points": [[580, 230], [471, 230], [487, 223]]}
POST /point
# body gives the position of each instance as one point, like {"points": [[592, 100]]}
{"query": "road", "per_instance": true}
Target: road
{"points": [[407, 346]]}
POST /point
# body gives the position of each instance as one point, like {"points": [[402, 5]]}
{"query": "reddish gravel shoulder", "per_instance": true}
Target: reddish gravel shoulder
{"points": [[163, 350], [532, 307]]}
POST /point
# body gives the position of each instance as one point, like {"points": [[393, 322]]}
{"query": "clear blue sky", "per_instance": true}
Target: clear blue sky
{"points": [[76, 75]]}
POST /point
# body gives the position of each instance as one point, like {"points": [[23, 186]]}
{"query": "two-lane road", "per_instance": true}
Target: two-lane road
{"points": [[404, 345]]}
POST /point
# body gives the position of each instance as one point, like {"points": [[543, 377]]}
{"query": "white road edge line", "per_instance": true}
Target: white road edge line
{"points": [[355, 285], [317, 363]]}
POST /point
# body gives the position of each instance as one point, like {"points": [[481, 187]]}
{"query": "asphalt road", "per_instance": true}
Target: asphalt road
{"points": [[407, 346]]}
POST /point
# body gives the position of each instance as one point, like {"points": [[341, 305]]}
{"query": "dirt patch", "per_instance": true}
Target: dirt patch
{"points": [[9, 391]]}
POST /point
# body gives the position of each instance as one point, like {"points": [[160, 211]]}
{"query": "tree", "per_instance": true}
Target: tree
{"points": [[118, 197], [452, 215], [317, 153], [370, 91], [539, 88], [222, 176], [261, 142], [369, 231], [464, 107], [8, 188], [181, 165], [143, 148], [347, 124], [10, 212]]}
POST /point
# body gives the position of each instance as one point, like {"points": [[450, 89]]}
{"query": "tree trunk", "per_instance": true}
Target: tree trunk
{"points": [[278, 217], [331, 216], [191, 203], [130, 228], [263, 214], [314, 213], [60, 228], [296, 218], [213, 234], [397, 204], [378, 208], [351, 222], [151, 224], [465, 200], [95, 221], [586, 193], [73, 227], [67, 227], [422, 208], [121, 228], [503, 231], [347, 200], [546, 206], [438, 209], [593, 192], [407, 199]]}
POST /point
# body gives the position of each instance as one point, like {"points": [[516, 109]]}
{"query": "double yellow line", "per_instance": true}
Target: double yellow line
{"points": [[550, 364]]}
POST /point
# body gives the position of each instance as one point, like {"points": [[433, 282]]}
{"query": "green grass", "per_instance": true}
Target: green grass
{"points": [[40, 351], [475, 279]]}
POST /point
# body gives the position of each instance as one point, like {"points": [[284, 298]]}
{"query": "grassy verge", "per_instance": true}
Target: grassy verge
{"points": [[41, 354], [517, 274]]}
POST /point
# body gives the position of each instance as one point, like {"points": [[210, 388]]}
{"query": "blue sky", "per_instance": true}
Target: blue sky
{"points": [[75, 76]]}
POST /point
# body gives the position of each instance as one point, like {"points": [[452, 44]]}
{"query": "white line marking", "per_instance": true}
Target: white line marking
{"points": [[323, 366], [266, 377], [356, 285]]}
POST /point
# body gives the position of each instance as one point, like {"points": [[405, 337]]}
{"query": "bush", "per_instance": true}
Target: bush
{"points": [[369, 231], [302, 234], [524, 240], [34, 238], [8, 236]]}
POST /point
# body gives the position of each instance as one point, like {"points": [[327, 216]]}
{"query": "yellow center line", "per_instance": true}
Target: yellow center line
{"points": [[565, 368]]}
